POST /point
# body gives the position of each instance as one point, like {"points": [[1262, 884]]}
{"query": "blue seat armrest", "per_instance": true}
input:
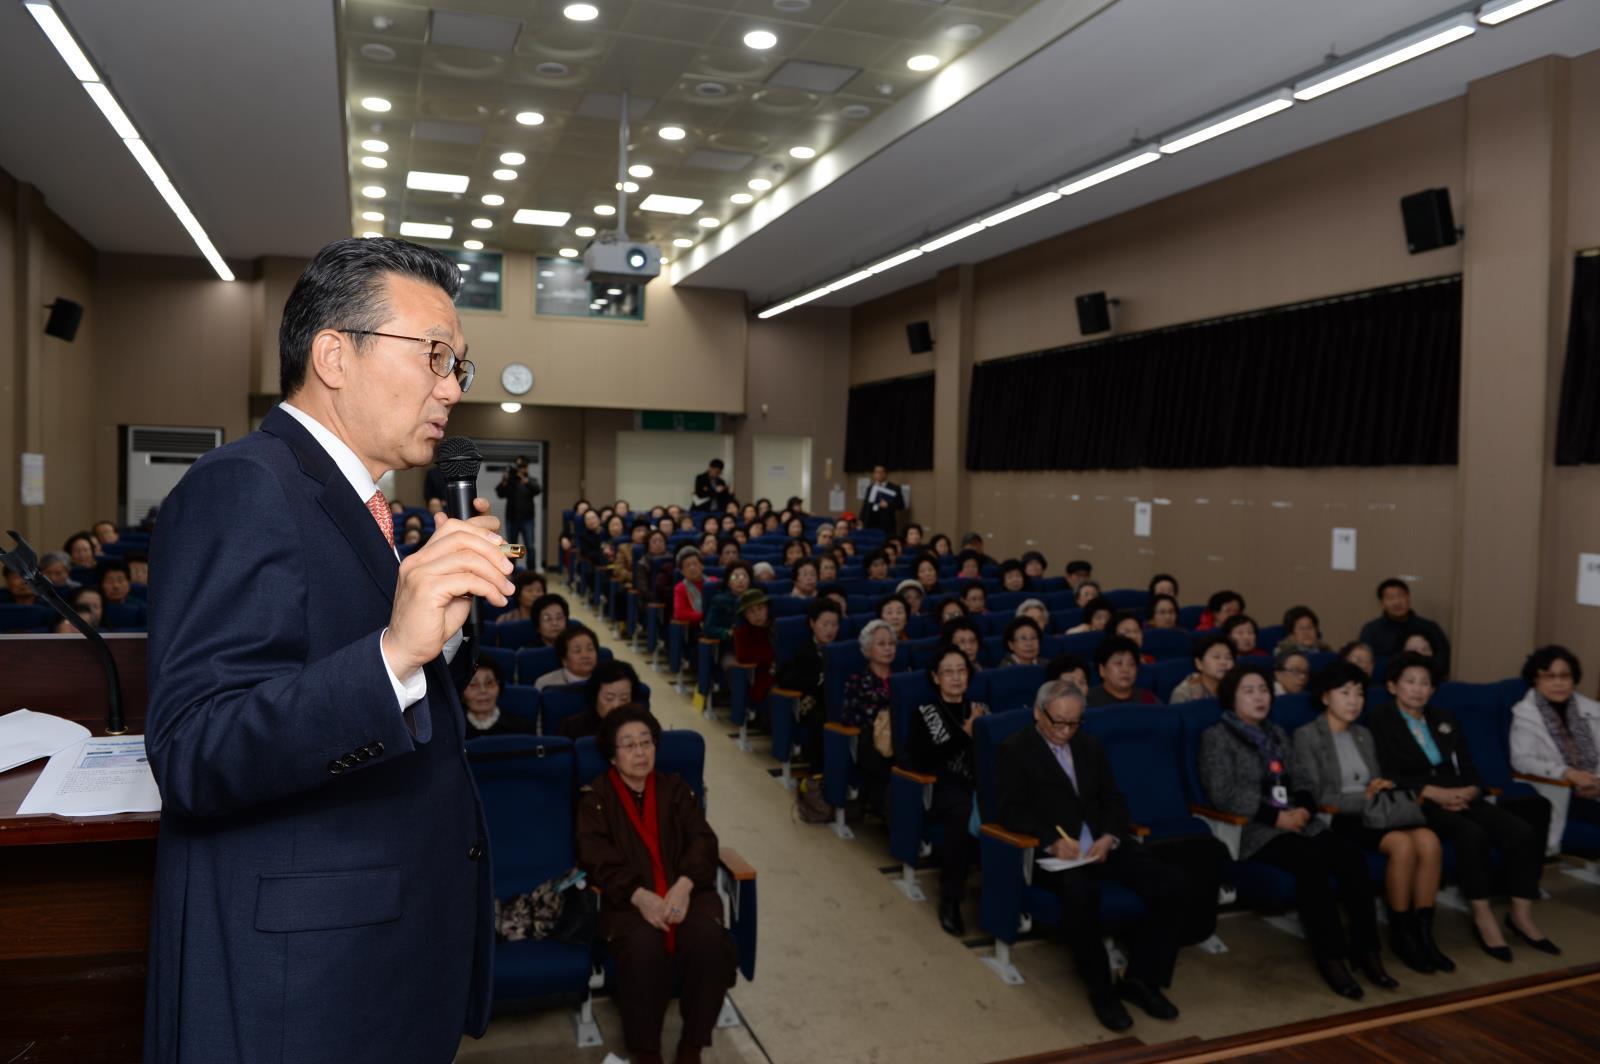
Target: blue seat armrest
{"points": [[1005, 857], [740, 678], [910, 794], [780, 707], [736, 880], [838, 761]]}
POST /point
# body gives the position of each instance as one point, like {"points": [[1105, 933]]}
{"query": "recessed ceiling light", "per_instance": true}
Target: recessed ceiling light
{"points": [[581, 12], [742, 198], [374, 145], [464, 267], [372, 191], [511, 408], [369, 234], [377, 52], [375, 103], [670, 204], [474, 245], [922, 62], [641, 171], [604, 210], [426, 230], [489, 277], [963, 31], [425, 181], [528, 216], [613, 291], [710, 223], [372, 216], [671, 133], [855, 110], [800, 151], [505, 175], [760, 40], [493, 199], [568, 253], [513, 158], [483, 223], [584, 231], [629, 187], [760, 184], [665, 261], [530, 118], [683, 242], [374, 162]]}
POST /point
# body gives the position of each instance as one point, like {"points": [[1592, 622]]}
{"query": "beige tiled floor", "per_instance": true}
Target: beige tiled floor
{"points": [[851, 971]]}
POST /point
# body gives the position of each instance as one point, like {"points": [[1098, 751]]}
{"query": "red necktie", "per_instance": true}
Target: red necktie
{"points": [[378, 506]]}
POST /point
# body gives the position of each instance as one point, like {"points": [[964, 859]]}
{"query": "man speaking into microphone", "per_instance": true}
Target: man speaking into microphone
{"points": [[322, 881]]}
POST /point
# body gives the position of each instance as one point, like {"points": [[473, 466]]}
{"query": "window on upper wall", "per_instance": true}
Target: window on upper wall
{"points": [[559, 287], [481, 273]]}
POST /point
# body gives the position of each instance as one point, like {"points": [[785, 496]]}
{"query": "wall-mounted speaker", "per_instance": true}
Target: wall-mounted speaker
{"points": [[919, 337], [65, 317], [1094, 314], [1429, 221]]}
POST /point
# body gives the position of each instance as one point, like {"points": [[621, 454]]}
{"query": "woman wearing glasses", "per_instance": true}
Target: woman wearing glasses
{"points": [[1555, 733], [644, 841]]}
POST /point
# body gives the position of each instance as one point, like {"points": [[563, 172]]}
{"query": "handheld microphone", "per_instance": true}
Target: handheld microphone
{"points": [[458, 459]]}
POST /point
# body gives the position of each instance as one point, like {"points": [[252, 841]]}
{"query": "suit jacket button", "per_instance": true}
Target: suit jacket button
{"points": [[475, 853], [335, 767], [348, 761], [363, 754], [376, 748]]}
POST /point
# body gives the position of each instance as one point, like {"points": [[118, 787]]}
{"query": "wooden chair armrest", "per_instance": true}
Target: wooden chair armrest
{"points": [[784, 692], [1010, 838], [679, 621], [914, 777], [1496, 791], [1217, 814], [655, 605], [1140, 831], [1531, 778], [842, 729], [745, 665], [713, 640], [737, 866], [1332, 810]]}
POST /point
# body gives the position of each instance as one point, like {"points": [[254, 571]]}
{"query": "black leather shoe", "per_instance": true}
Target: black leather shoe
{"points": [[1406, 941], [1339, 979], [1430, 948], [1109, 1011], [1543, 945], [1371, 965], [950, 918], [1149, 1000], [1499, 953]]}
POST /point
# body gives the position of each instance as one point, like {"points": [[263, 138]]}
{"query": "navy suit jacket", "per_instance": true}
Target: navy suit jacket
{"points": [[322, 882]]}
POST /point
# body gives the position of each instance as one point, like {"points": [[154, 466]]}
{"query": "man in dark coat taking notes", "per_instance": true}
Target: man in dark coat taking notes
{"points": [[322, 877]]}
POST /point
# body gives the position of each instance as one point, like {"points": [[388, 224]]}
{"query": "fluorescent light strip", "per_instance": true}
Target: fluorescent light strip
{"points": [[950, 238], [1280, 101], [1116, 169], [426, 230], [72, 54], [528, 216], [848, 281], [773, 312], [423, 181], [815, 293], [1496, 13], [1016, 210], [895, 260], [1390, 55]]}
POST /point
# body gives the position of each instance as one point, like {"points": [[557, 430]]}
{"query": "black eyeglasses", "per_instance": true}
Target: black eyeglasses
{"points": [[442, 358], [1064, 725]]}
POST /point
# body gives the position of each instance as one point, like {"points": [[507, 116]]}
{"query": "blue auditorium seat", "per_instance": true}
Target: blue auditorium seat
{"points": [[514, 634], [1165, 644], [504, 660], [15, 618], [521, 701]]}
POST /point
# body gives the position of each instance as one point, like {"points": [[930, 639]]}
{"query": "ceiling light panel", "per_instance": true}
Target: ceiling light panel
{"points": [[528, 216], [426, 181], [1492, 14], [426, 230], [1236, 118], [1392, 54], [1132, 161], [66, 45], [669, 204], [483, 33]]}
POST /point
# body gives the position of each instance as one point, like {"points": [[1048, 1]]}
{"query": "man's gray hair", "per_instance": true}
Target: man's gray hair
{"points": [[871, 629], [1057, 689]]}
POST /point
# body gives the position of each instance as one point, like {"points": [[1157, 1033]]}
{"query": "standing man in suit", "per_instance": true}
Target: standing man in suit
{"points": [[711, 492], [1054, 783], [519, 488], [322, 879], [882, 502]]}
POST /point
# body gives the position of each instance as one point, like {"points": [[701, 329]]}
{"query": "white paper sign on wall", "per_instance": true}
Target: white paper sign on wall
{"points": [[1141, 518], [32, 479], [1344, 550], [1589, 579], [836, 500]]}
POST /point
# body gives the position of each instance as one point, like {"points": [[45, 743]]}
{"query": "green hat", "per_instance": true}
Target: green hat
{"points": [[753, 597]]}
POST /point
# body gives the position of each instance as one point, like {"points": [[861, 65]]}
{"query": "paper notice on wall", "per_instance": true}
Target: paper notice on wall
{"points": [[1344, 550], [32, 479], [777, 472], [1141, 518], [1589, 579], [862, 484], [836, 499]]}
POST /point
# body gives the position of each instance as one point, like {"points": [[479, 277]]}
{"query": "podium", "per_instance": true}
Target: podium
{"points": [[74, 893]]}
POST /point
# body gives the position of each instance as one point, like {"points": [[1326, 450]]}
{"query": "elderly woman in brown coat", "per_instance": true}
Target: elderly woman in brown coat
{"points": [[644, 841]]}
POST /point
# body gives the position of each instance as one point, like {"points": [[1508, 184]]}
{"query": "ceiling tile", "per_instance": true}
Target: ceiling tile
{"points": [[813, 77], [715, 159], [486, 33]]}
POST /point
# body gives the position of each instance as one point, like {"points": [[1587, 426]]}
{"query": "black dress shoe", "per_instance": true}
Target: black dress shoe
{"points": [[1406, 941], [1543, 945], [1109, 1011], [1151, 1001], [950, 918], [1339, 979], [1429, 947], [1499, 953], [1371, 965]]}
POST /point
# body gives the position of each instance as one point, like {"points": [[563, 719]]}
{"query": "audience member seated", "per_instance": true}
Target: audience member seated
{"points": [[138, 568], [1078, 573], [1386, 633], [926, 571], [1164, 584], [1117, 659], [1012, 578], [793, 552], [877, 565], [689, 594], [1068, 667], [964, 634], [722, 613], [1034, 567], [939, 744], [115, 585], [752, 642], [17, 589], [1359, 654], [1098, 613], [940, 545], [969, 565], [1242, 632], [1303, 631], [974, 597], [481, 700], [1219, 607], [550, 613], [803, 674], [763, 572], [1417, 643], [1291, 671], [81, 549], [1421, 747], [1035, 610], [88, 603], [530, 585], [578, 650], [728, 552], [612, 685], [1129, 627], [645, 843], [1022, 639], [1162, 612], [892, 609], [805, 575], [1085, 593], [1555, 732], [1245, 770], [1213, 657], [1336, 760], [1054, 782], [947, 609], [56, 568], [911, 594], [865, 699]]}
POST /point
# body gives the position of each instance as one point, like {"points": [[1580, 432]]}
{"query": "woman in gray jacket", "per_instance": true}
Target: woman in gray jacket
{"points": [[1337, 761], [1245, 770]]}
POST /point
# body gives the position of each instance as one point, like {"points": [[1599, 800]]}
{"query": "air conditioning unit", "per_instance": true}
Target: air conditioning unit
{"points": [[154, 459]]}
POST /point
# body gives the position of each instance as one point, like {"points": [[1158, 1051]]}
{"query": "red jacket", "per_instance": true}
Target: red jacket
{"points": [[753, 646]]}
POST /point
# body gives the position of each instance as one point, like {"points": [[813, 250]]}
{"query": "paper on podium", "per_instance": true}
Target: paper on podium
{"points": [[26, 736], [96, 777]]}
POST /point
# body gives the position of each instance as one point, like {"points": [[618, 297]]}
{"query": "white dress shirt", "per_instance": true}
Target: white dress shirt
{"points": [[410, 691]]}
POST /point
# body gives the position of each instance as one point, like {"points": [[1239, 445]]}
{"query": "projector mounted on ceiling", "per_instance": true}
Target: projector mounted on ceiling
{"points": [[612, 258]]}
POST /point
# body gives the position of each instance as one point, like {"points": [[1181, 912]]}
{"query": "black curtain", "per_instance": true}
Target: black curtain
{"points": [[1578, 429], [890, 423], [1368, 379]]}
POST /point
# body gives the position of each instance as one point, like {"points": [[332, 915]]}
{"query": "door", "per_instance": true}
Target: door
{"points": [[782, 469], [498, 457]]}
